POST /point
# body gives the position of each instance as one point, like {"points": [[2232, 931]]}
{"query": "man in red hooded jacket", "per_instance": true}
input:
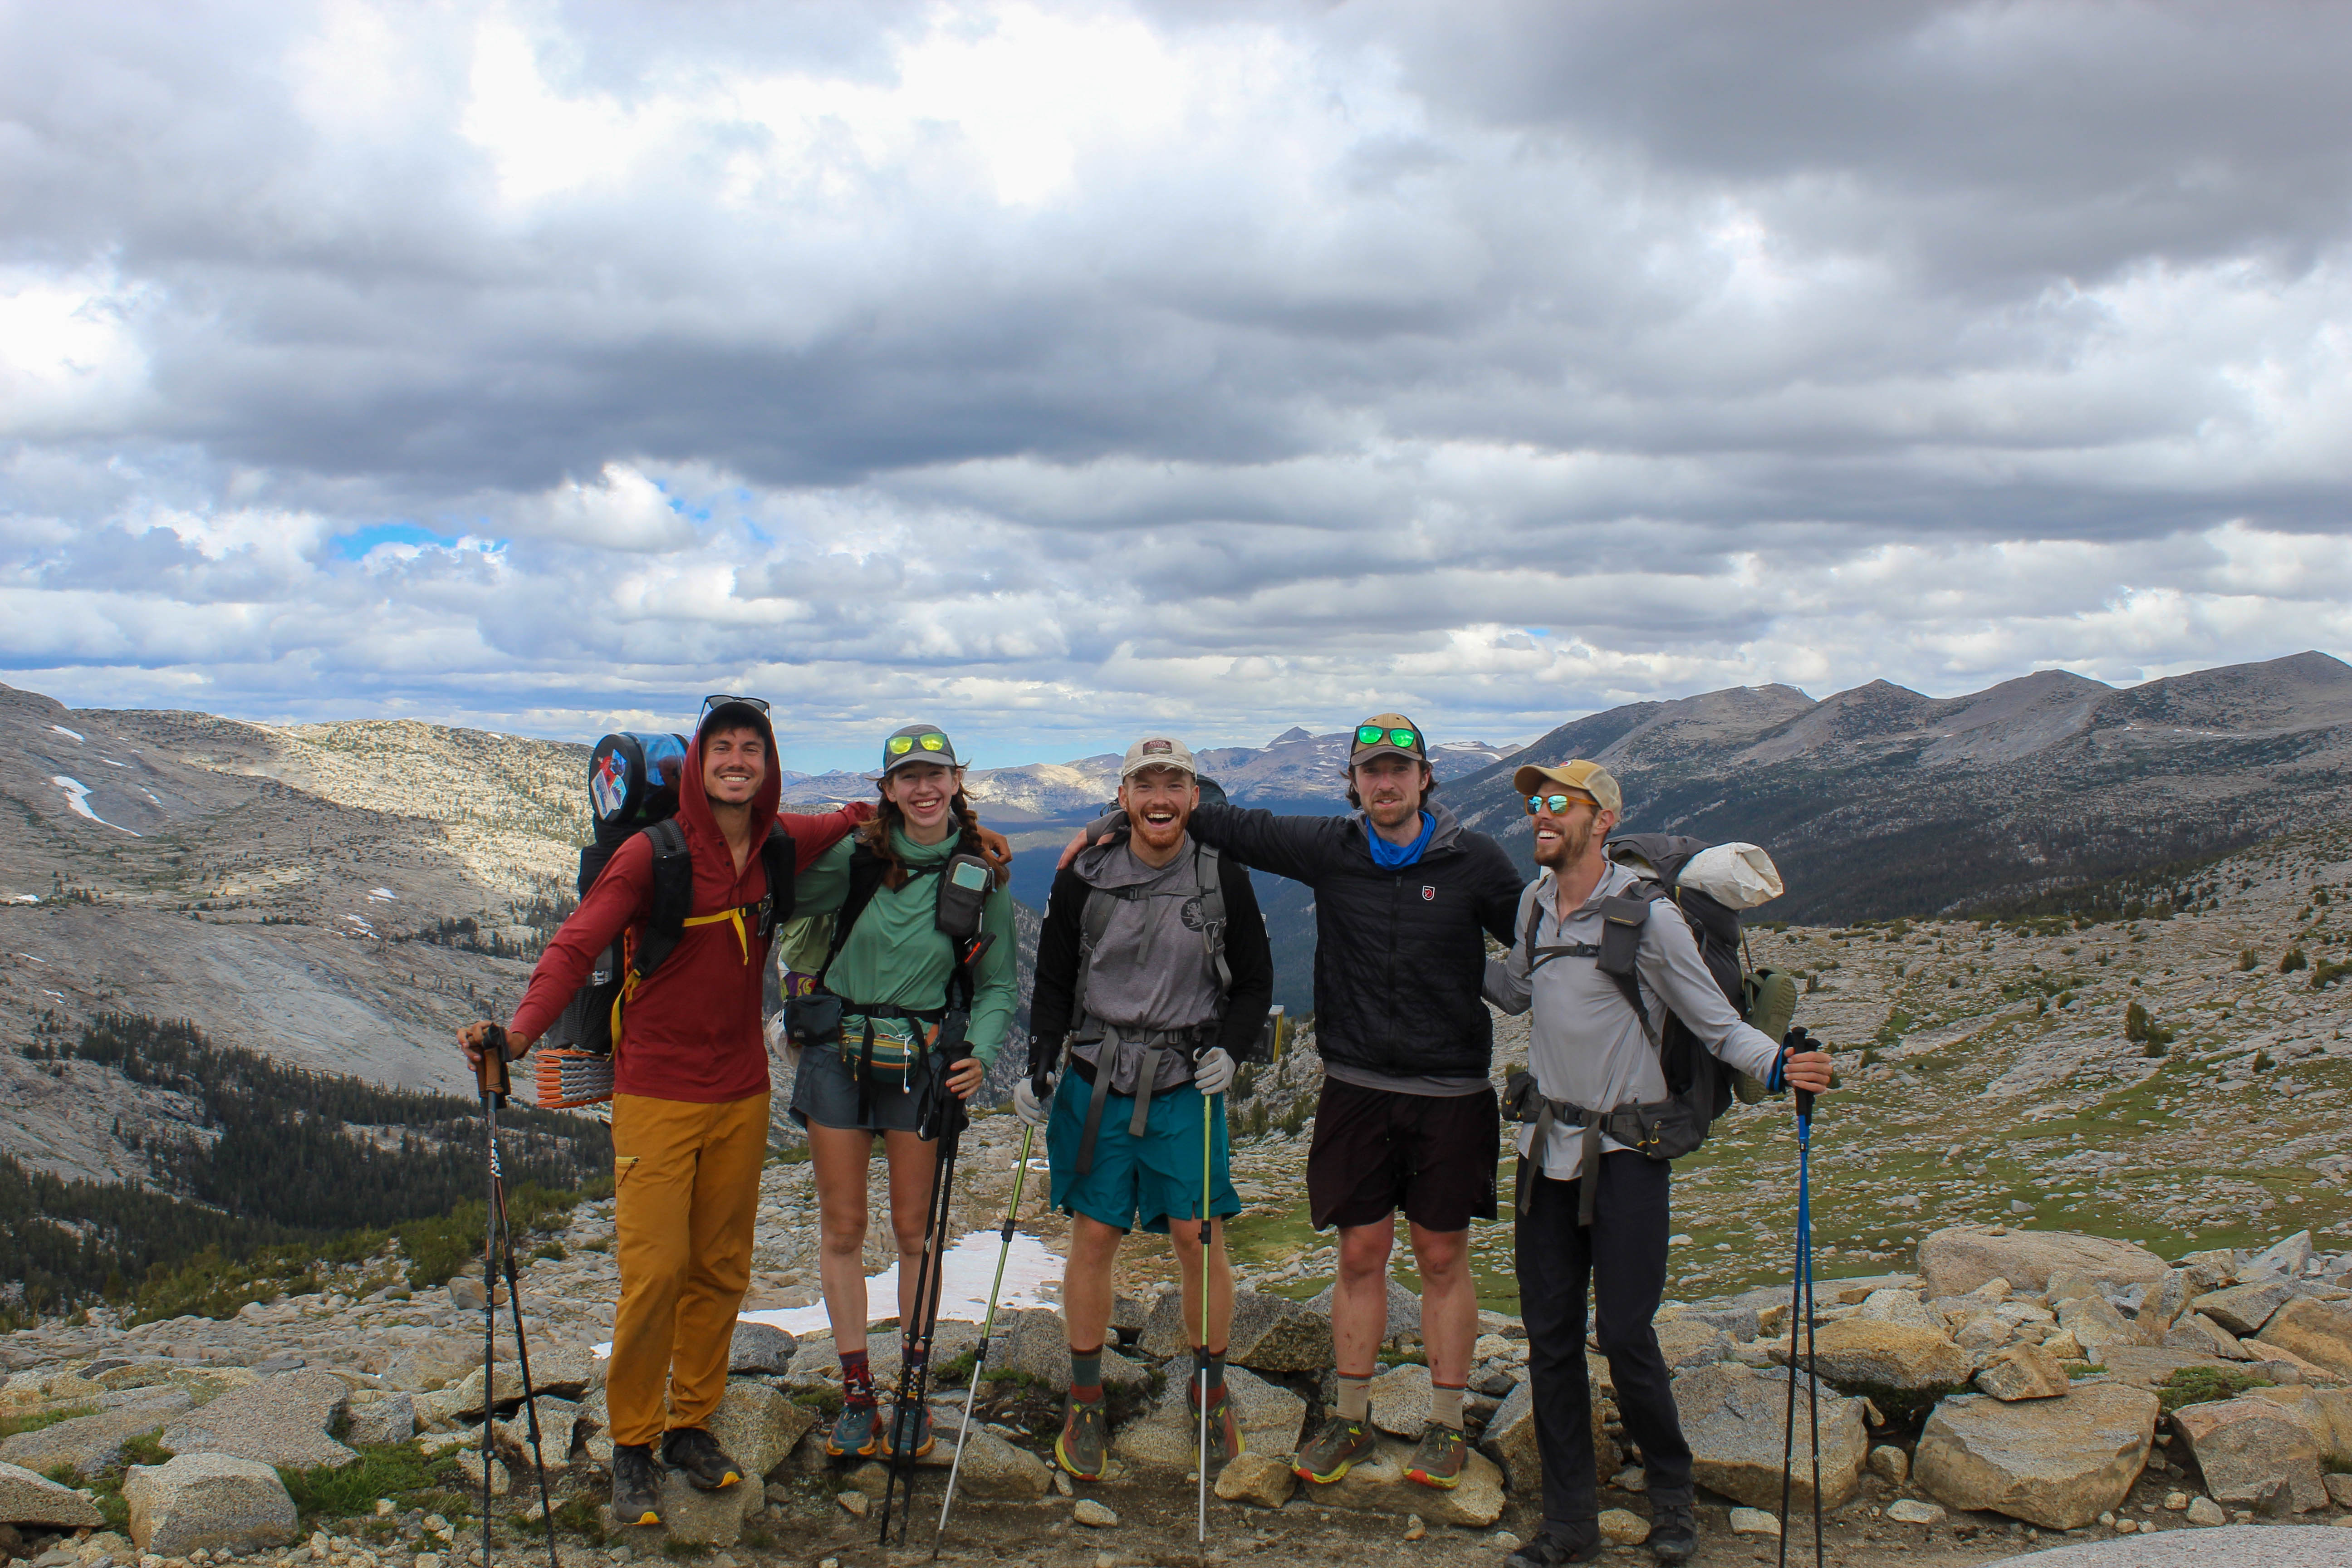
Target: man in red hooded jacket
{"points": [[690, 1097]]}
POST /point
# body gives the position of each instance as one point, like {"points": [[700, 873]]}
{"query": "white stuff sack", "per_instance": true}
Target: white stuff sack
{"points": [[1736, 875]]}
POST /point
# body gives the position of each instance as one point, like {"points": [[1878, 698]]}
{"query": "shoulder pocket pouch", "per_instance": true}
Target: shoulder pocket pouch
{"points": [[813, 1019]]}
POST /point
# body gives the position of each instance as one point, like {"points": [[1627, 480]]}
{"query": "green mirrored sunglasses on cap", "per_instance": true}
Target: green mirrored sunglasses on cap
{"points": [[899, 746], [1373, 735]]}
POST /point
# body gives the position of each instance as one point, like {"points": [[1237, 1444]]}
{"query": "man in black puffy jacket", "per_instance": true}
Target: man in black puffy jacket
{"points": [[1403, 898]]}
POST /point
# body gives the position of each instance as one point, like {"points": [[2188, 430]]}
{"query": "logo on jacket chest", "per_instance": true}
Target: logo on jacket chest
{"points": [[1428, 894]]}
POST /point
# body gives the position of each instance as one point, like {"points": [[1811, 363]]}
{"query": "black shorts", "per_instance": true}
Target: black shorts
{"points": [[1377, 1151]]}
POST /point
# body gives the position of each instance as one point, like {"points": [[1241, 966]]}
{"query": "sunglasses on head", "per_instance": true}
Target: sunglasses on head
{"points": [[899, 746], [722, 699], [1558, 805], [1373, 735]]}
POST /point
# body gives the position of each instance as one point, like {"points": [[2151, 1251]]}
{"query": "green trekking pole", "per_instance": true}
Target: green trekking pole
{"points": [[987, 1331], [1209, 1104]]}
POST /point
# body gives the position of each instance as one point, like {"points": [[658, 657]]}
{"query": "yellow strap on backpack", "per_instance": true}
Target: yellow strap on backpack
{"points": [[629, 980]]}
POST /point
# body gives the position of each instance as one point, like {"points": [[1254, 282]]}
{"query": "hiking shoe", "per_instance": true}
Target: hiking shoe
{"points": [[855, 1433], [915, 1439], [637, 1488], [698, 1453], [1335, 1450], [1437, 1458], [1674, 1532], [1226, 1439], [1085, 1439], [1552, 1547]]}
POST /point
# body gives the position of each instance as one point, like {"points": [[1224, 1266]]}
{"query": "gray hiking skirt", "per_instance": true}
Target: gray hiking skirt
{"points": [[824, 1094]]}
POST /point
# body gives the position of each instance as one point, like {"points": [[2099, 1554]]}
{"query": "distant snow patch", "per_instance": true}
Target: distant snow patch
{"points": [[383, 893], [78, 796], [26, 898], [109, 762], [61, 730]]}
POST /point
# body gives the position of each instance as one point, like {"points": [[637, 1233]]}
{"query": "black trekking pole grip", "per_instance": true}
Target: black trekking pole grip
{"points": [[491, 1072]]}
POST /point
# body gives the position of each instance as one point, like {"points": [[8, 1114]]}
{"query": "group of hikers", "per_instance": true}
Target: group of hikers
{"points": [[1153, 979]]}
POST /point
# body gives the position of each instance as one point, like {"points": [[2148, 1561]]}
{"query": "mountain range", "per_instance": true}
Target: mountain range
{"points": [[342, 896]]}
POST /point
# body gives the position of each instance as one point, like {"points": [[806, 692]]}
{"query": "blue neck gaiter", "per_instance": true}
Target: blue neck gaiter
{"points": [[1392, 855]]}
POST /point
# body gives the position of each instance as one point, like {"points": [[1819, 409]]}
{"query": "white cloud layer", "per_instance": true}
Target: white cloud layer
{"points": [[1052, 369]]}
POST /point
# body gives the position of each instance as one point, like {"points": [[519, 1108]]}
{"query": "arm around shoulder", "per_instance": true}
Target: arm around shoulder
{"points": [[1302, 849], [1056, 980], [1249, 954]]}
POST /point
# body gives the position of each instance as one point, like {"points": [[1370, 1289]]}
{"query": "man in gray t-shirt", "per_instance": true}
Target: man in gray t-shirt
{"points": [[1155, 969]]}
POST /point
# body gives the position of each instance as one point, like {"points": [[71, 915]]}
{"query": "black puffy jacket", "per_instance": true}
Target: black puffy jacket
{"points": [[1398, 954]]}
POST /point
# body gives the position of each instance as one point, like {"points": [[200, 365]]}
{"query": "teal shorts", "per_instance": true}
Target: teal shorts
{"points": [[1155, 1176]]}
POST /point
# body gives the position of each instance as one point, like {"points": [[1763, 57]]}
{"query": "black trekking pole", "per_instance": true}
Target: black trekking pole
{"points": [[1801, 1312], [987, 1329], [915, 1339], [497, 1248]]}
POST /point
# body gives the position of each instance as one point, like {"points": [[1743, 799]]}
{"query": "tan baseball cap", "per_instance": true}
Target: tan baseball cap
{"points": [[1377, 737], [1158, 752], [1586, 778]]}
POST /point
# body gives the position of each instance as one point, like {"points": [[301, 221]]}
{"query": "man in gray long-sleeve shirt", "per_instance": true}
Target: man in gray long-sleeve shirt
{"points": [[1588, 1047]]}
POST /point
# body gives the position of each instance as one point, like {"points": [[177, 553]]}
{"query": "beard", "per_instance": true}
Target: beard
{"points": [[1567, 850]]}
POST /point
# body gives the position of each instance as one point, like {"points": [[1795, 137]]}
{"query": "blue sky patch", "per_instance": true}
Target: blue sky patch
{"points": [[356, 544]]}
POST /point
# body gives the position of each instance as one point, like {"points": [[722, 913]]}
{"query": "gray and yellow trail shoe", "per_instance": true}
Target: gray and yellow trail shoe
{"points": [[855, 1433], [698, 1453], [1085, 1439], [1225, 1441], [910, 1439], [636, 1485], [1438, 1458], [1335, 1450]]}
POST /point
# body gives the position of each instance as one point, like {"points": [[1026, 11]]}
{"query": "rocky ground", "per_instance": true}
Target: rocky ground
{"points": [[2018, 1388]]}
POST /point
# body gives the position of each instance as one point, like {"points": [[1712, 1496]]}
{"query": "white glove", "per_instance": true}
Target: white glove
{"points": [[1028, 1106], [1213, 1073]]}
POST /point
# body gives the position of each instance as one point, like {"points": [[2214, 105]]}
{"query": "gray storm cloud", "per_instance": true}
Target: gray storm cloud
{"points": [[1060, 366]]}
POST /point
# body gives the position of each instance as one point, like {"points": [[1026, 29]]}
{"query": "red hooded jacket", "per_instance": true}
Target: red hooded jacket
{"points": [[692, 1030]]}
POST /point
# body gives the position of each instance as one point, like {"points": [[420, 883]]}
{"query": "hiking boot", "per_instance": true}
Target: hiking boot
{"points": [[1335, 1450], [1552, 1547], [636, 1487], [698, 1453], [1225, 1440], [1438, 1458], [1673, 1531], [914, 1439], [1085, 1439], [855, 1433]]}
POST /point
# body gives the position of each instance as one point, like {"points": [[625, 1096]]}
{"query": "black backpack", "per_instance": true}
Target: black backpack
{"points": [[1699, 1087], [633, 784]]}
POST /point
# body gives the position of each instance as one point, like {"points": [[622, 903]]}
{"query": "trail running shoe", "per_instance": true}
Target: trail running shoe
{"points": [[1225, 1441], [915, 1440], [1085, 1439], [636, 1487], [855, 1433], [1551, 1548], [1335, 1450], [698, 1453], [1674, 1532], [1437, 1458]]}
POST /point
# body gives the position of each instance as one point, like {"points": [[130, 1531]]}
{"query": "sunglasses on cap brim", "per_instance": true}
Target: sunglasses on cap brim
{"points": [[899, 746], [1558, 805], [1374, 735], [717, 701]]}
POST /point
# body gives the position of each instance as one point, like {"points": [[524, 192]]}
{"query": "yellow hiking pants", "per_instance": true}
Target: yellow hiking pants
{"points": [[686, 1186]]}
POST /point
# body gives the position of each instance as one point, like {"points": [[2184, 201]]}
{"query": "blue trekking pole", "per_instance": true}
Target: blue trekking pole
{"points": [[1801, 1310]]}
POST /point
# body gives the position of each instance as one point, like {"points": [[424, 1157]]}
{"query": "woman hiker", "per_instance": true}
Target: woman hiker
{"points": [[921, 1011]]}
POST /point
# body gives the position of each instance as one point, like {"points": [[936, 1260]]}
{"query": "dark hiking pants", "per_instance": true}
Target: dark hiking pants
{"points": [[1624, 1257]]}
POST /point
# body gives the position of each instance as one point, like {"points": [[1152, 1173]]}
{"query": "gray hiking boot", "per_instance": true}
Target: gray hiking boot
{"points": [[697, 1452], [636, 1485]]}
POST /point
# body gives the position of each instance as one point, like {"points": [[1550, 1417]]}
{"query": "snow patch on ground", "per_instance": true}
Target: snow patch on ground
{"points": [[969, 1266], [61, 730], [78, 796], [381, 894]]}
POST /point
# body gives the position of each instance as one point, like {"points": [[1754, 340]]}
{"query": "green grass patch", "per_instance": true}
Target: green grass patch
{"points": [[2203, 1384], [12, 1425], [825, 1401], [580, 1517], [382, 1470], [2092, 1369]]}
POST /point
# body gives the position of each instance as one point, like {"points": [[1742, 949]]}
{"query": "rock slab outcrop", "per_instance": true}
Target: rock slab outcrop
{"points": [[1732, 1416], [2056, 1463], [210, 1502], [1956, 1259]]}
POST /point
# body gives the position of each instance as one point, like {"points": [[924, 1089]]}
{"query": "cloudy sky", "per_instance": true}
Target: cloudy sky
{"points": [[1049, 370]]}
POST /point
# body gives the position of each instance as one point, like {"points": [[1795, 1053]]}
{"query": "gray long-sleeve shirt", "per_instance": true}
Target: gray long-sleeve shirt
{"points": [[1586, 1044]]}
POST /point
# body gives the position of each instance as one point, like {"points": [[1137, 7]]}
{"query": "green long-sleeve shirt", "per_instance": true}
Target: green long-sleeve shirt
{"points": [[899, 958]]}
